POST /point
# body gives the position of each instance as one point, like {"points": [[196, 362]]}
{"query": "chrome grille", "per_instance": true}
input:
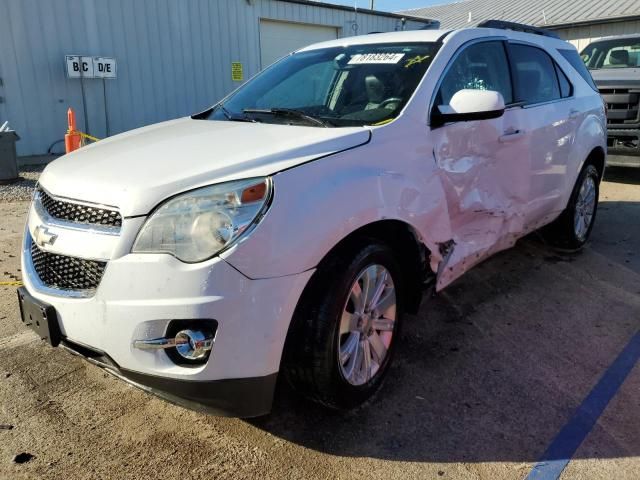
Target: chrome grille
{"points": [[79, 213], [64, 272]]}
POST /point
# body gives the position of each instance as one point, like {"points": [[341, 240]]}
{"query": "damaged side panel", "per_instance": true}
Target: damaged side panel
{"points": [[464, 189], [485, 177], [460, 189]]}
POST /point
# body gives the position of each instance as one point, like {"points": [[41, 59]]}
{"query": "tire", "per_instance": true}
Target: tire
{"points": [[319, 333], [572, 228]]}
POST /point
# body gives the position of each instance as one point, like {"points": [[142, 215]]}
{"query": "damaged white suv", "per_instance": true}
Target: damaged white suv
{"points": [[287, 229]]}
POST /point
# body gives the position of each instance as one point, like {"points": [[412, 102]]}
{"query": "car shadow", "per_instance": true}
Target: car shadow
{"points": [[622, 175], [489, 370], [616, 233]]}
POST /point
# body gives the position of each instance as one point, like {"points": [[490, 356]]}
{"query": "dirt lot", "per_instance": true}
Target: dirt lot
{"points": [[486, 377]]}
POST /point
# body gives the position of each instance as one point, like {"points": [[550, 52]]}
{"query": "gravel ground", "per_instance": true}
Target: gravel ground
{"points": [[22, 189]]}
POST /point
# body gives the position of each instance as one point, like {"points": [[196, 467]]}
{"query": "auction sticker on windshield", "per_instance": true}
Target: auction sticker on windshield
{"points": [[365, 58]]}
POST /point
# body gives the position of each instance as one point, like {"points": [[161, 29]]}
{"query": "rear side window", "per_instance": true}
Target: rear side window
{"points": [[566, 89], [535, 78], [481, 66], [576, 62]]}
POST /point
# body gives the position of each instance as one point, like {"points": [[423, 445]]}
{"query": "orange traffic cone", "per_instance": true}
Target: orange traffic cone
{"points": [[72, 138]]}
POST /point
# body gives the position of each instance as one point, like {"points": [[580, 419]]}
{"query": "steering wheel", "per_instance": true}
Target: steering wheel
{"points": [[388, 101]]}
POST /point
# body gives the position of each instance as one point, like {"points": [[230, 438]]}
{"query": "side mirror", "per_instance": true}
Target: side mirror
{"points": [[467, 105]]}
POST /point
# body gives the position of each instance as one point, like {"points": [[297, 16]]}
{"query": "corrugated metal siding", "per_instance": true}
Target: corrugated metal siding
{"points": [[582, 36], [174, 57], [533, 12]]}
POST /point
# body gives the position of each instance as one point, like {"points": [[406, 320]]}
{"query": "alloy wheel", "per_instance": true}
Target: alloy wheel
{"points": [[367, 325], [585, 208]]}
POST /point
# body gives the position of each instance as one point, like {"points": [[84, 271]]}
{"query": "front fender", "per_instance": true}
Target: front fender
{"points": [[318, 204]]}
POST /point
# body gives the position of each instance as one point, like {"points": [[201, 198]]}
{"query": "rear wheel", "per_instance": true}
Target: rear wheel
{"points": [[573, 227], [345, 327]]}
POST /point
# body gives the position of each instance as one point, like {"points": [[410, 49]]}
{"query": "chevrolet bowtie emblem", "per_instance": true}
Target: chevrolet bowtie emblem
{"points": [[42, 236]]}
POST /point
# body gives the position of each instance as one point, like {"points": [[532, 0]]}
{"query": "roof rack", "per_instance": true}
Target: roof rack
{"points": [[517, 27]]}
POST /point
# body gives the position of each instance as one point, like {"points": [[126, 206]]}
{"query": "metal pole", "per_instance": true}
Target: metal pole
{"points": [[106, 111], [372, 4], [84, 98]]}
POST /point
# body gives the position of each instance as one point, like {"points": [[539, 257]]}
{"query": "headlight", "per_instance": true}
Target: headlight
{"points": [[196, 225]]}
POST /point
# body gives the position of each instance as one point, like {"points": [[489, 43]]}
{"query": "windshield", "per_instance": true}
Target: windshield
{"points": [[618, 53], [332, 87]]}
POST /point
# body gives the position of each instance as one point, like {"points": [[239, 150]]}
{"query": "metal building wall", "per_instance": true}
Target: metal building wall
{"points": [[583, 35], [174, 57]]}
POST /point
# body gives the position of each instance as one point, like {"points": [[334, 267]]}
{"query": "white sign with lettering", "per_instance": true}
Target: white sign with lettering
{"points": [[366, 58], [90, 67], [104, 67]]}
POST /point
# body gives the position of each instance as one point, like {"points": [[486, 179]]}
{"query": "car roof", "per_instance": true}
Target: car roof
{"points": [[391, 37], [617, 37], [429, 36]]}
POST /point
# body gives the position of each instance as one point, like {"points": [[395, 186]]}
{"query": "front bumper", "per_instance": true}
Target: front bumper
{"points": [[139, 295], [245, 397], [241, 397], [615, 160], [623, 148]]}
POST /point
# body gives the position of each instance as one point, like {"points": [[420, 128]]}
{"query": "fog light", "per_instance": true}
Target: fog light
{"points": [[187, 343], [193, 344]]}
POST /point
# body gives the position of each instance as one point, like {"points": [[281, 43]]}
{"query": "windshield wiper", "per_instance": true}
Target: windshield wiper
{"points": [[288, 112], [234, 118]]}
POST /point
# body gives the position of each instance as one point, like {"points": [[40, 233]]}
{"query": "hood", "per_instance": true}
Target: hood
{"points": [[136, 170], [616, 77]]}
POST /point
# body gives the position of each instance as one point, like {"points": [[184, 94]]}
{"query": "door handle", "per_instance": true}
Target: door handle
{"points": [[511, 136], [573, 113]]}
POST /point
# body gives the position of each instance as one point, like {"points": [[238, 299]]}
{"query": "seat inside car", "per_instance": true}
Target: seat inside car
{"points": [[375, 91], [619, 58], [381, 86]]}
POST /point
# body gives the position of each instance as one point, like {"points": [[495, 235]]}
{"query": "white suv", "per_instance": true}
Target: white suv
{"points": [[287, 229]]}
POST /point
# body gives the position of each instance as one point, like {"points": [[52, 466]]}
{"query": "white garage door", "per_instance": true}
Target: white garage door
{"points": [[277, 39]]}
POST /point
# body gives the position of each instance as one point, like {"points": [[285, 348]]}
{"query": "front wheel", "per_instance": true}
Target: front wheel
{"points": [[573, 227], [344, 330]]}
